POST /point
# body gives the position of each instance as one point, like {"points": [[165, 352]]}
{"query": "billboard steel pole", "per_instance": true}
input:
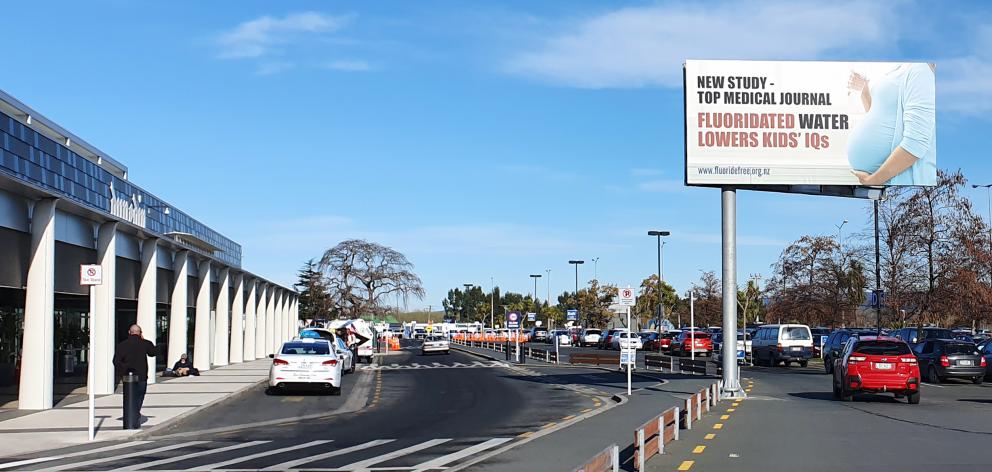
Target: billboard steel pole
{"points": [[731, 385]]}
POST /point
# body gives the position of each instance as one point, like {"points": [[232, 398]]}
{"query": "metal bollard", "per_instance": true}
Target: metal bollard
{"points": [[132, 417]]}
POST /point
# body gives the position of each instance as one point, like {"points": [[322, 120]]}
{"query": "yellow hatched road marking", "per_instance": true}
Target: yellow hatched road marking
{"points": [[525, 435], [699, 449], [724, 417], [568, 417], [718, 426], [709, 436], [686, 465], [548, 425], [587, 410], [731, 410]]}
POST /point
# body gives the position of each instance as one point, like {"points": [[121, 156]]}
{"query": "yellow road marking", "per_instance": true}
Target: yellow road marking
{"points": [[731, 410], [686, 465], [548, 425], [568, 417], [718, 426], [699, 449], [709, 436], [724, 417], [525, 435], [587, 410], [736, 404], [293, 399]]}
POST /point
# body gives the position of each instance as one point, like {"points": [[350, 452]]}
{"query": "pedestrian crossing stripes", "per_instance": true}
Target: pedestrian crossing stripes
{"points": [[420, 455], [436, 365]]}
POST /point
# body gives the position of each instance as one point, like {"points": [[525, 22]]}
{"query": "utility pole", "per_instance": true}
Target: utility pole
{"points": [[595, 268], [576, 263], [492, 303], [661, 277]]}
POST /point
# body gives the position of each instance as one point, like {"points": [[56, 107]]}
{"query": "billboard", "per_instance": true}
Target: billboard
{"points": [[754, 123]]}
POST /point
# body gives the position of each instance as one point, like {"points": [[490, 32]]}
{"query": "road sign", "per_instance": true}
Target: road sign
{"points": [[876, 298], [571, 315], [531, 316], [90, 274], [626, 297], [628, 356], [513, 319]]}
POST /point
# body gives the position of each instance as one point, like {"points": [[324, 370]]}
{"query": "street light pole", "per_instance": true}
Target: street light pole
{"points": [[464, 301], [988, 192], [535, 277], [595, 268], [576, 264], [492, 304], [661, 278]]}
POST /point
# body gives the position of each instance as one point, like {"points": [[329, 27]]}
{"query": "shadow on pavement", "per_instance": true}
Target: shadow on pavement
{"points": [[975, 400], [860, 397], [784, 370], [601, 379]]}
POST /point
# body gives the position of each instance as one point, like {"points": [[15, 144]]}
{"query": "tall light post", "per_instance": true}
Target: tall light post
{"points": [[840, 235], [465, 300], [535, 277], [595, 268], [576, 263], [988, 191], [492, 304], [661, 277]]}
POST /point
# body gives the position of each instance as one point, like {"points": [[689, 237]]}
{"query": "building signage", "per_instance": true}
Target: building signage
{"points": [[127, 209], [572, 315], [90, 274], [810, 123]]}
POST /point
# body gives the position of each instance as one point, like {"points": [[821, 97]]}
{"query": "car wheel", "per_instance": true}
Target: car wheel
{"points": [[913, 398], [977, 380], [788, 363], [803, 363], [932, 376], [845, 394], [833, 383], [828, 366], [271, 391], [336, 391]]}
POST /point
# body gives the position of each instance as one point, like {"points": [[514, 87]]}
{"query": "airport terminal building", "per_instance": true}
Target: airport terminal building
{"points": [[64, 203]]}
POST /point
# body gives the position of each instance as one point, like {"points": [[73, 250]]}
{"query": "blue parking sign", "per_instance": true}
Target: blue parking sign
{"points": [[572, 315]]}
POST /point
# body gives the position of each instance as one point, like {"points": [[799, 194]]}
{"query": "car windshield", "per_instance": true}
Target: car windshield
{"points": [[938, 334], [795, 333], [960, 348], [593, 331], [436, 338], [303, 349], [881, 348]]}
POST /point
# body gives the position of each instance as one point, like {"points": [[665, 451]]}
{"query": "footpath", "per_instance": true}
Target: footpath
{"points": [[167, 400]]}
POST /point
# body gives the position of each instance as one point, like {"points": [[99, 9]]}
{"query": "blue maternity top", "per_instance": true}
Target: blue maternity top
{"points": [[902, 114]]}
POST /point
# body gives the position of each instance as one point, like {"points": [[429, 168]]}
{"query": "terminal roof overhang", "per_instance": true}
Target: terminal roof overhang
{"points": [[43, 125]]}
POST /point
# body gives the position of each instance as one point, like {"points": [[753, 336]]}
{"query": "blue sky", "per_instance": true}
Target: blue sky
{"points": [[481, 139]]}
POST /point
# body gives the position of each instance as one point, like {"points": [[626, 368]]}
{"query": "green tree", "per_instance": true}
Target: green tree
{"points": [[315, 300], [646, 307]]}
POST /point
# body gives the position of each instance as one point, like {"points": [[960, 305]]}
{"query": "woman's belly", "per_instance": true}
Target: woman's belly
{"points": [[870, 144]]}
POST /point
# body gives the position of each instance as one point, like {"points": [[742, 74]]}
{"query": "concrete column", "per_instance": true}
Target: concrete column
{"points": [[201, 330], [290, 325], [270, 319], [260, 346], [147, 293], [280, 319], [178, 335], [104, 323], [250, 320], [296, 314], [38, 345], [237, 353], [222, 317]]}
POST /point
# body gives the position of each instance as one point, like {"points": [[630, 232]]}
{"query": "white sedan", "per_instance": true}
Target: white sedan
{"points": [[627, 340], [306, 362], [434, 343]]}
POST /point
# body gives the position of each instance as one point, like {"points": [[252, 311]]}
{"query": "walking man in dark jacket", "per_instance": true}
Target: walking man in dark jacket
{"points": [[132, 356]]}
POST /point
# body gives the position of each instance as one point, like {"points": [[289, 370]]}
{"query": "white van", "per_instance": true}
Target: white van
{"points": [[786, 343]]}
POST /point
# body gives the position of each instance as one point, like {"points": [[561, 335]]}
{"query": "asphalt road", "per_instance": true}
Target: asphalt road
{"points": [[423, 413], [792, 422]]}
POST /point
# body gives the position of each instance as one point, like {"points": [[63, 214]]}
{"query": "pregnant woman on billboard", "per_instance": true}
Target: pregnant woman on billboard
{"points": [[896, 144]]}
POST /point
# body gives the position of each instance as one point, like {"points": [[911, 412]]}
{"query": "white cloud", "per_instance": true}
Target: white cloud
{"points": [[645, 46], [259, 37], [269, 68], [348, 66]]}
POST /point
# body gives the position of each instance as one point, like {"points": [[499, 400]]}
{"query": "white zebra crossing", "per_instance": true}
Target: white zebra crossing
{"points": [[375, 452]]}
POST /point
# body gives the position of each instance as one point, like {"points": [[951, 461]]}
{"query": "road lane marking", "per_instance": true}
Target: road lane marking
{"points": [[443, 461], [78, 465], [731, 410], [709, 436], [36, 460], [292, 399], [724, 417], [548, 425], [169, 460], [568, 417], [306, 460], [587, 410], [525, 435], [686, 465], [219, 465], [699, 449], [933, 385], [718, 426], [367, 463]]}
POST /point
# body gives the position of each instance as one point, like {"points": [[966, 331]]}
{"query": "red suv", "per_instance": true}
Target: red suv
{"points": [[874, 364], [701, 344]]}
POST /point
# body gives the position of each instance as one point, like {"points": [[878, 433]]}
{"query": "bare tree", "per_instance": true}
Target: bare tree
{"points": [[361, 275]]}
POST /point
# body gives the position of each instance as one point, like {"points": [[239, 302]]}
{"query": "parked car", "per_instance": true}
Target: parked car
{"points": [[819, 338], [649, 340], [306, 362], [626, 340], [666, 339], [986, 349], [687, 342], [435, 343], [876, 364], [539, 335], [606, 340], [941, 359], [563, 337], [590, 337], [786, 343], [833, 347], [911, 336], [743, 349]]}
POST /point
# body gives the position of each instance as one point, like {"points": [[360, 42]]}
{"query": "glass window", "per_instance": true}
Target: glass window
{"points": [[960, 348], [795, 333], [882, 348], [302, 349]]}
